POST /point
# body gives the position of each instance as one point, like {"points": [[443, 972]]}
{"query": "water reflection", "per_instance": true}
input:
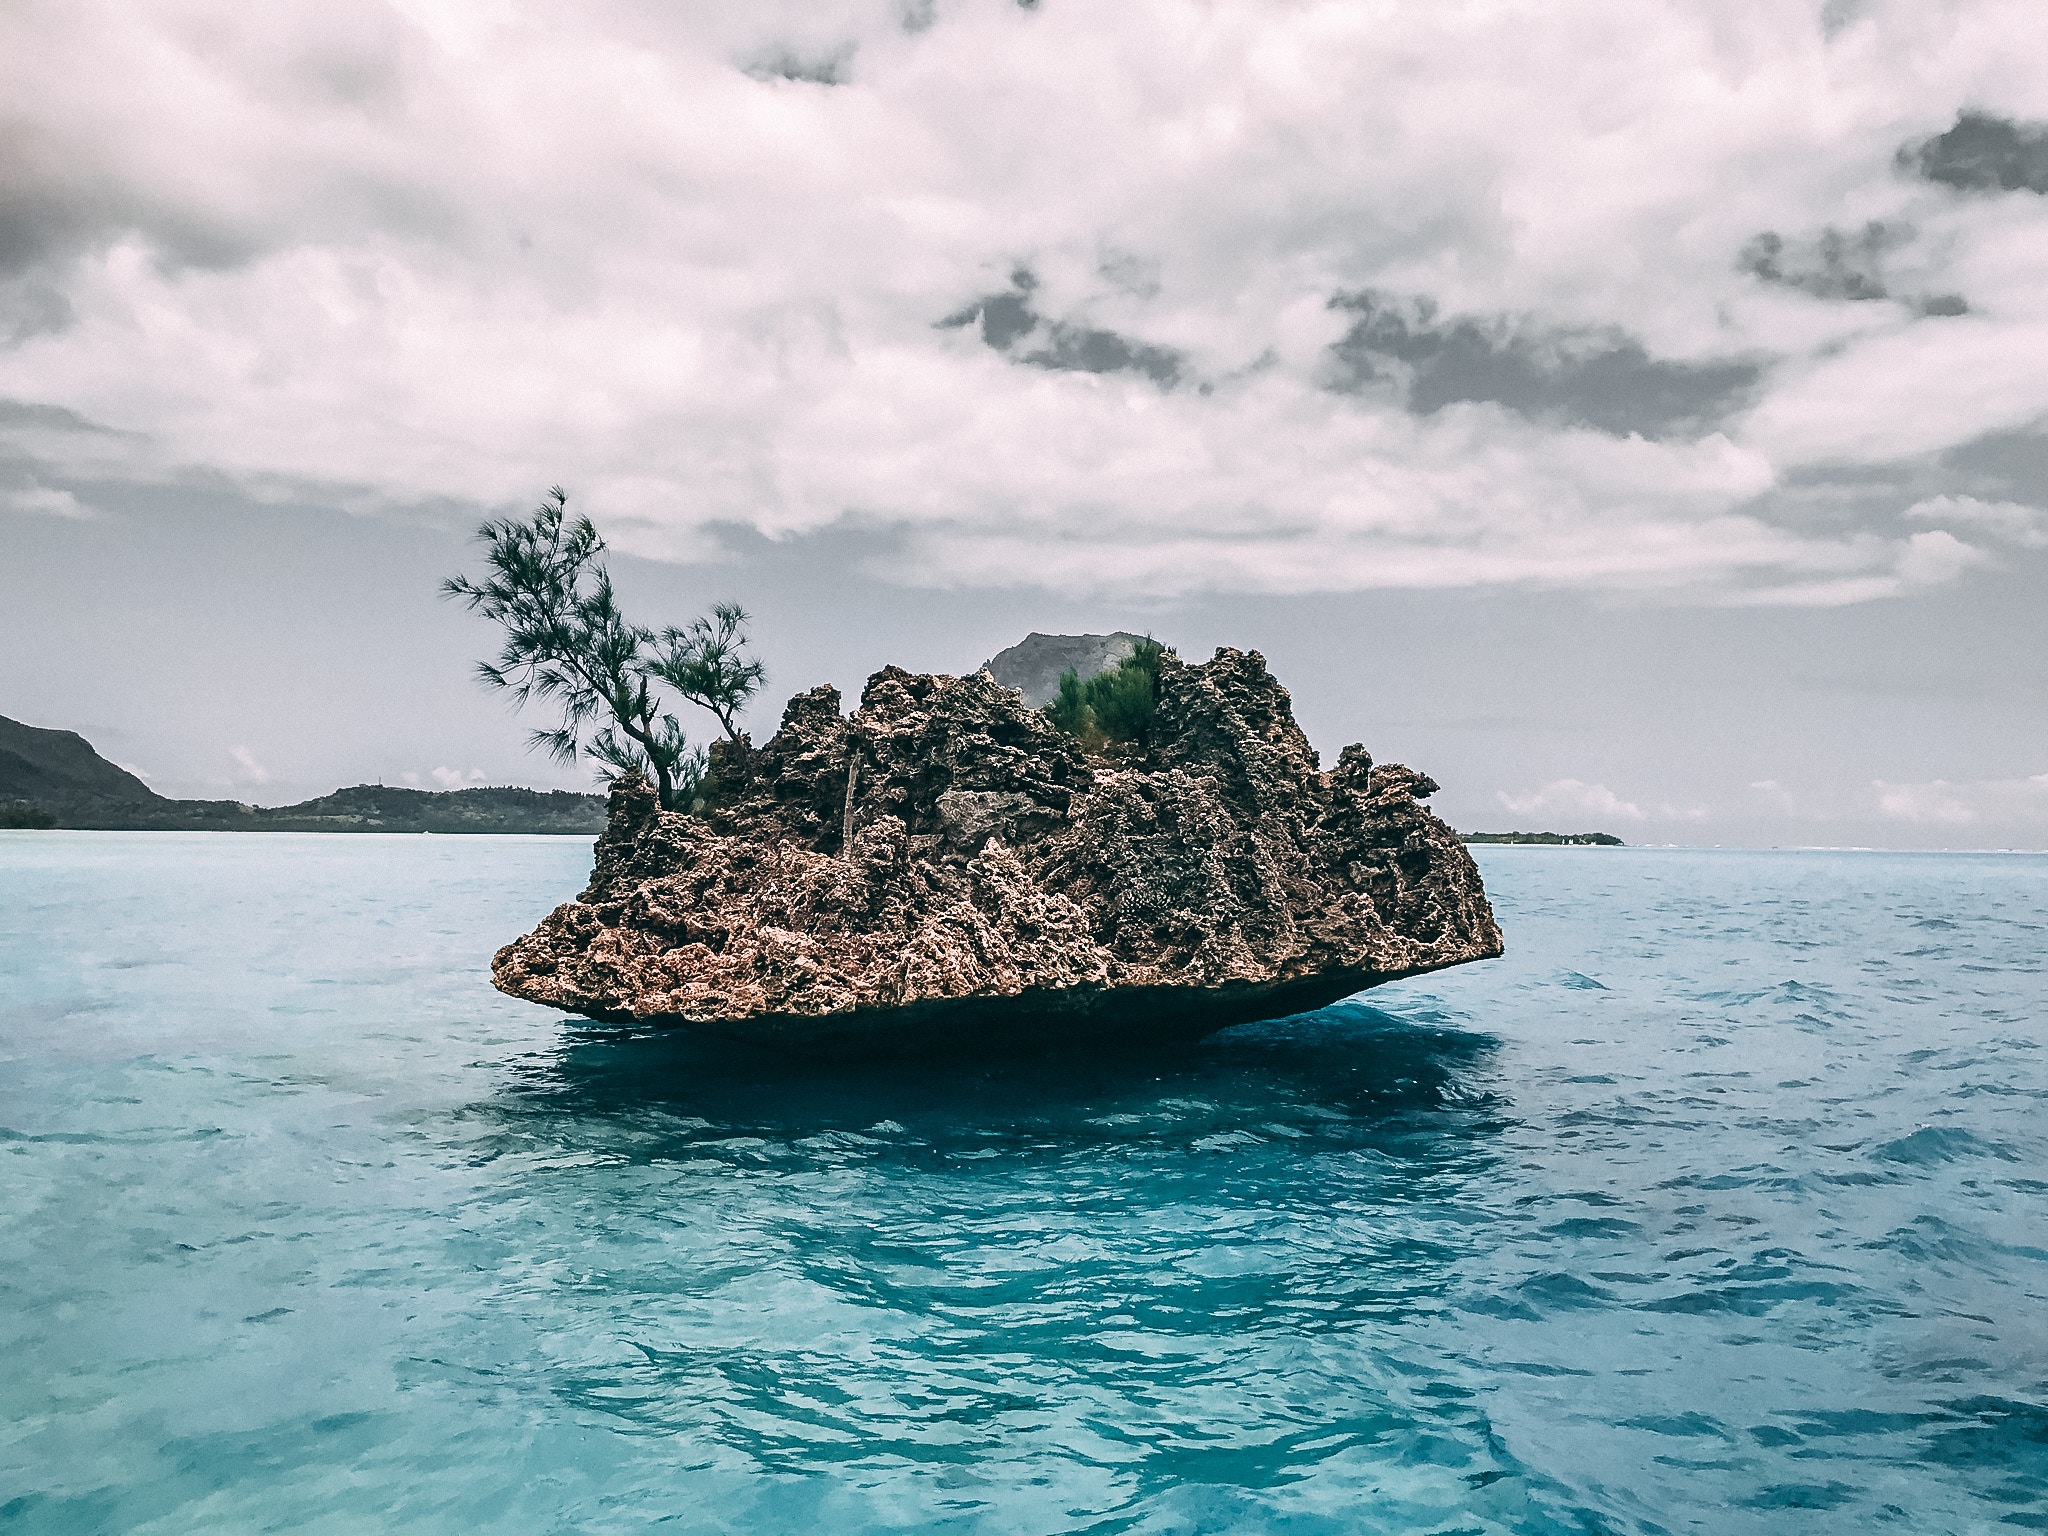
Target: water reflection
{"points": [[1111, 1273], [1349, 1071]]}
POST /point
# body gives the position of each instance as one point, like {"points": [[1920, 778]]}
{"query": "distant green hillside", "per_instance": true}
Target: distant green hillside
{"points": [[1550, 839], [362, 808], [37, 764], [55, 778]]}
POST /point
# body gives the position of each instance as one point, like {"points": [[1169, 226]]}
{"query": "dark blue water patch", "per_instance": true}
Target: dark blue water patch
{"points": [[309, 1228], [2002, 1446], [1802, 1496], [1594, 1226], [1933, 1144], [1684, 1425]]}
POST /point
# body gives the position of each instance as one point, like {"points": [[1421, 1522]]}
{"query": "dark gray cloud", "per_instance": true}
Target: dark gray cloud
{"points": [[1002, 317], [53, 208], [50, 418], [1006, 319], [66, 195], [32, 308], [1983, 153], [1600, 378], [1837, 15], [1940, 304], [1840, 264], [48, 222], [2011, 464], [815, 69], [1988, 490]]}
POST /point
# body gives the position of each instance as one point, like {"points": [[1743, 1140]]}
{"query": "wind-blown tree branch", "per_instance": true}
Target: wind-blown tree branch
{"points": [[708, 665], [567, 643]]}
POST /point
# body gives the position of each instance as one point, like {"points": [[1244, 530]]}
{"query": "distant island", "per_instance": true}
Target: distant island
{"points": [[1547, 839], [55, 779]]}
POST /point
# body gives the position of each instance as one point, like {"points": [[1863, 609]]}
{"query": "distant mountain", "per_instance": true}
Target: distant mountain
{"points": [[37, 764], [55, 778], [1033, 665]]}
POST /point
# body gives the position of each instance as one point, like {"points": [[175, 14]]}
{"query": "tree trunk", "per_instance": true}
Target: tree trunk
{"points": [[846, 821]]}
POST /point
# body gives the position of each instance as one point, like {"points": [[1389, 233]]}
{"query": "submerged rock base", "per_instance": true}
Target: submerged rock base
{"points": [[944, 869]]}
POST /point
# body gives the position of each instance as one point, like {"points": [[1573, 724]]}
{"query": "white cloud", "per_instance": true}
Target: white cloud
{"points": [[455, 778], [2005, 520], [248, 770], [1574, 796], [1929, 559], [411, 252], [45, 501], [1667, 811], [1940, 803]]}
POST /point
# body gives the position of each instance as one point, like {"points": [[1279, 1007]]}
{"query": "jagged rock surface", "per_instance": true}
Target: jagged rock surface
{"points": [[943, 866]]}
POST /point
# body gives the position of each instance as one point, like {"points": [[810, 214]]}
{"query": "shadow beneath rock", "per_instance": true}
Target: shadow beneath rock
{"points": [[1348, 1071]]}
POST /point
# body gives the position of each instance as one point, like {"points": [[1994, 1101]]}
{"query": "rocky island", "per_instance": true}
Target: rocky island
{"points": [[946, 867]]}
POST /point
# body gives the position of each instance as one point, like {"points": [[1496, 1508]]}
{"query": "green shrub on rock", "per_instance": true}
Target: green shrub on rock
{"points": [[1113, 706]]}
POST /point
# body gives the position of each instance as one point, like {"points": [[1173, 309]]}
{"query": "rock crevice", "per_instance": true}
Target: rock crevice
{"points": [[943, 866]]}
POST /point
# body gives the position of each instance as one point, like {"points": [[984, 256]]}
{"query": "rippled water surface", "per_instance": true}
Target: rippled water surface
{"points": [[1721, 1204]]}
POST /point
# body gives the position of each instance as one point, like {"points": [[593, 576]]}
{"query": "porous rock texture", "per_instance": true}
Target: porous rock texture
{"points": [[945, 868]]}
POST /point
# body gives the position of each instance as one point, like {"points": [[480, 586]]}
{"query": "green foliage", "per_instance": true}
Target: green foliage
{"points": [[568, 644], [707, 664], [20, 814], [1113, 706], [1070, 710]]}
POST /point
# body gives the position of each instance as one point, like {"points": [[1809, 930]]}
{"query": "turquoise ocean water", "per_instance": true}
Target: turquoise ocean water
{"points": [[1720, 1205]]}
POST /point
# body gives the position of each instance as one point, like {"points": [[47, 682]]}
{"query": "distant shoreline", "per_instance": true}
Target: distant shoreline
{"points": [[361, 808], [1547, 839], [55, 781], [261, 832]]}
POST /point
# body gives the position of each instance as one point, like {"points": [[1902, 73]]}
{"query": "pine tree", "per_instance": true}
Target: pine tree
{"points": [[568, 643]]}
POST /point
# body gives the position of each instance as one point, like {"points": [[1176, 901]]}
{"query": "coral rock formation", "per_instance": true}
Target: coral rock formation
{"points": [[944, 867]]}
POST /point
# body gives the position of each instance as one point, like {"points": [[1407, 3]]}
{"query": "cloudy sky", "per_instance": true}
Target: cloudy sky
{"points": [[1635, 413]]}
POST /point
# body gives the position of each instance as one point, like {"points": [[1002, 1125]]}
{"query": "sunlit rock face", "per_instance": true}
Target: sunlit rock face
{"points": [[944, 869]]}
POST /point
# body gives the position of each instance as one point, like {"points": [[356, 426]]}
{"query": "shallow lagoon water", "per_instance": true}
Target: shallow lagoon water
{"points": [[1721, 1204]]}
